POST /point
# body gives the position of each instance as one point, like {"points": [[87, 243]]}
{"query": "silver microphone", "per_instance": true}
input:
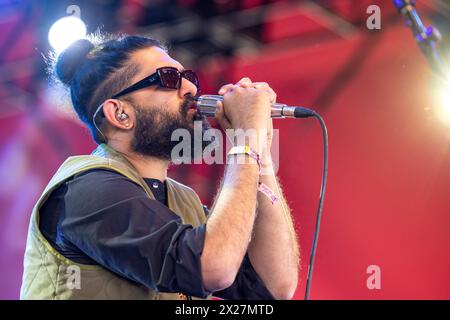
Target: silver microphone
{"points": [[206, 104]]}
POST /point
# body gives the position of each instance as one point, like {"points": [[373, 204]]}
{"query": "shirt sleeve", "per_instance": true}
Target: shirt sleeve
{"points": [[111, 219]]}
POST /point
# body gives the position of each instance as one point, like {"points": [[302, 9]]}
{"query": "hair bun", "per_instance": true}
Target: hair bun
{"points": [[71, 59]]}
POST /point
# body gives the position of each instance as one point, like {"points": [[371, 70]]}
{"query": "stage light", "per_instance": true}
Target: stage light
{"points": [[65, 31], [443, 103]]}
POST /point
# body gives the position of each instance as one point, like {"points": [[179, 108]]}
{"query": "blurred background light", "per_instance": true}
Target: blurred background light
{"points": [[387, 202], [65, 31], [442, 107]]}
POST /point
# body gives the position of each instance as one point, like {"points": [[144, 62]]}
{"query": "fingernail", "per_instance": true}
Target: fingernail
{"points": [[221, 91]]}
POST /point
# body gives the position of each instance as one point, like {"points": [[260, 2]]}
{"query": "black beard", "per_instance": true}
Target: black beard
{"points": [[154, 127]]}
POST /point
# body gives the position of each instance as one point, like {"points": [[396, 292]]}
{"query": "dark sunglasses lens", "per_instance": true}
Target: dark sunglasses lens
{"points": [[192, 77], [170, 78]]}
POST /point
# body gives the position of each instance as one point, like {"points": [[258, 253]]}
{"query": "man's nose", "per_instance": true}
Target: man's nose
{"points": [[187, 87]]}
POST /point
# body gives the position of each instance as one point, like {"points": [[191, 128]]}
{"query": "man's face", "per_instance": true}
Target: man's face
{"points": [[160, 111]]}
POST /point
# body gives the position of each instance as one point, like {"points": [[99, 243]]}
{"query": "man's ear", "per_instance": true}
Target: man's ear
{"points": [[118, 114]]}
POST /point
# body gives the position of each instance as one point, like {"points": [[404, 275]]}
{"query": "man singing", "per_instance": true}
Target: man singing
{"points": [[112, 225]]}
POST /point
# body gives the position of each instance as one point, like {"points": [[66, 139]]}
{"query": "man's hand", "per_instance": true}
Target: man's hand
{"points": [[225, 123]]}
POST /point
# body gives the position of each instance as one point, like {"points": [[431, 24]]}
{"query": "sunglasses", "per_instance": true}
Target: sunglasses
{"points": [[165, 77]]}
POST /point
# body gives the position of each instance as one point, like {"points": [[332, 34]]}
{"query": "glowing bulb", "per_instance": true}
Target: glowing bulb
{"points": [[65, 31]]}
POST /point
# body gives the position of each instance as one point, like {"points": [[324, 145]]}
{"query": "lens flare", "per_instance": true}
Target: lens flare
{"points": [[443, 103]]}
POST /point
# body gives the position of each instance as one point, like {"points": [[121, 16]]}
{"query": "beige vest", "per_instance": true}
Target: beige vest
{"points": [[50, 275]]}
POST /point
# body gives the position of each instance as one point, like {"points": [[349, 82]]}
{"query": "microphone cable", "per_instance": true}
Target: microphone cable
{"points": [[319, 209]]}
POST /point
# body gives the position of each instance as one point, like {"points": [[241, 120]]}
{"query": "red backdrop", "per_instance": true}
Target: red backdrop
{"points": [[387, 200]]}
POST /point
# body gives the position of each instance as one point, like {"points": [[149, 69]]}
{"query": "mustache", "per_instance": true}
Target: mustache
{"points": [[187, 104]]}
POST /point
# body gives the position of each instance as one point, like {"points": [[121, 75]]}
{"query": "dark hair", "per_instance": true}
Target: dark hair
{"points": [[94, 73]]}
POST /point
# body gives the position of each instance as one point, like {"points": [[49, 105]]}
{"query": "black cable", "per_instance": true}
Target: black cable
{"points": [[319, 210]]}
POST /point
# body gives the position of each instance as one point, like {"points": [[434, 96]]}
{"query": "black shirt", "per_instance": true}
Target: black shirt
{"points": [[102, 217]]}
